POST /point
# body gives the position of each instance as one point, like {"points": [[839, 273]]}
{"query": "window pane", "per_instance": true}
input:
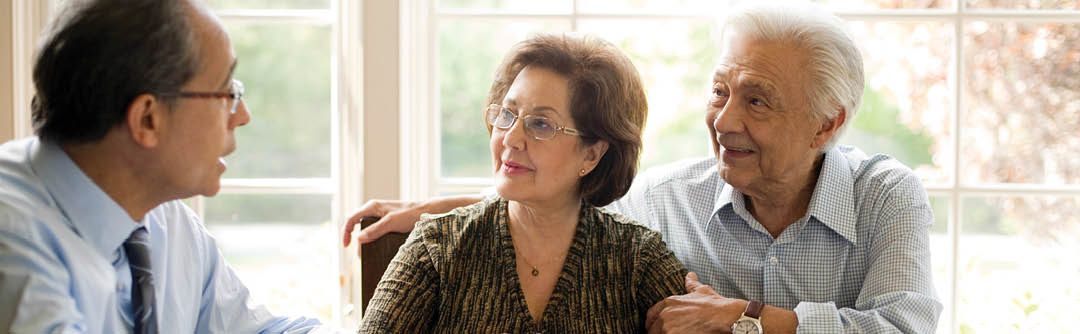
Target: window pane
{"points": [[652, 6], [469, 52], [552, 6], [1023, 4], [877, 4], [286, 70], [907, 71], [1022, 103], [720, 7], [269, 4], [885, 4], [282, 247], [1018, 266], [941, 256], [675, 59]]}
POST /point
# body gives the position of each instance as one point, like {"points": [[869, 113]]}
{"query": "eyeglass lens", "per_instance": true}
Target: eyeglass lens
{"points": [[238, 89], [538, 127]]}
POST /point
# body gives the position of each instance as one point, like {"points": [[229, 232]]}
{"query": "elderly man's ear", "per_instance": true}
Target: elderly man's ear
{"points": [[145, 118], [829, 129]]}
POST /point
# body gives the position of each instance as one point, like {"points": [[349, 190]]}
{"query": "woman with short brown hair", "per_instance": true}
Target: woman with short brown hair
{"points": [[565, 116]]}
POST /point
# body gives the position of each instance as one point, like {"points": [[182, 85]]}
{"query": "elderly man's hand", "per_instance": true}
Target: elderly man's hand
{"points": [[394, 216], [701, 310], [398, 216]]}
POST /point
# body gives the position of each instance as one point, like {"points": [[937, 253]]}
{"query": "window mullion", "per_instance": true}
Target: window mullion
{"points": [[420, 126], [955, 209], [574, 17]]}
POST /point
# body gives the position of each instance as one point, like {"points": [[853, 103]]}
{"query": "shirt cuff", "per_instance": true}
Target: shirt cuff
{"points": [[818, 318]]}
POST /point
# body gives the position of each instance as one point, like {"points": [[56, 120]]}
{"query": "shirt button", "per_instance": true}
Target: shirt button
{"points": [[774, 260]]}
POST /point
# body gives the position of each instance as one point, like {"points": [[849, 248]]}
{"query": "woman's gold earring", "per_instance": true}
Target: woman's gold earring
{"points": [[583, 172]]}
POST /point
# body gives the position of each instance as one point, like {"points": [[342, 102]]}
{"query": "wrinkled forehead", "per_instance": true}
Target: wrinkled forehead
{"points": [[772, 69], [760, 65]]}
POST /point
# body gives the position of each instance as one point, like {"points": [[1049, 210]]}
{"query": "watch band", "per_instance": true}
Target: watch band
{"points": [[753, 309]]}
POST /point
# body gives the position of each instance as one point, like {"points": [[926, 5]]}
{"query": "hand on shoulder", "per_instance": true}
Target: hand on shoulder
{"points": [[392, 215]]}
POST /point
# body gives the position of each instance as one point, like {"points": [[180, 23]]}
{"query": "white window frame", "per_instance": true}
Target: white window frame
{"points": [[424, 161]]}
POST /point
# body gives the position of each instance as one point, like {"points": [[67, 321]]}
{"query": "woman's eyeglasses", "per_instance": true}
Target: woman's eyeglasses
{"points": [[538, 127]]}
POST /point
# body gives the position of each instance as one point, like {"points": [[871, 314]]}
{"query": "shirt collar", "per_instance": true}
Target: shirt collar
{"points": [[726, 196], [833, 201], [729, 196], [98, 219]]}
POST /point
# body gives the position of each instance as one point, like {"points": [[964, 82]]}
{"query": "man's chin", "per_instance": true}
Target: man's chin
{"points": [[730, 175], [212, 190]]}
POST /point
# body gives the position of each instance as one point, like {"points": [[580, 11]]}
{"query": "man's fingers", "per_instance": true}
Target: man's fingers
{"points": [[705, 289], [654, 312], [656, 327], [372, 208], [374, 231], [346, 238], [350, 226], [692, 282]]}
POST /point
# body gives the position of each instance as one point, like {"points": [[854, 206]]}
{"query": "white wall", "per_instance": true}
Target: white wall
{"points": [[21, 23], [7, 118], [380, 107]]}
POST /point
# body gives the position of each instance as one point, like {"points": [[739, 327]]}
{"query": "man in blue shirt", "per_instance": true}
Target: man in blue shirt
{"points": [[135, 110], [790, 231]]}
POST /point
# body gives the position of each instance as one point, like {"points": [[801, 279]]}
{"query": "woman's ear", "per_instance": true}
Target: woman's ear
{"points": [[593, 154]]}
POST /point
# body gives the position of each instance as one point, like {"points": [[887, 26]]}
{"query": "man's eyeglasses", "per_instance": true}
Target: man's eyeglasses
{"points": [[538, 127], [232, 97]]}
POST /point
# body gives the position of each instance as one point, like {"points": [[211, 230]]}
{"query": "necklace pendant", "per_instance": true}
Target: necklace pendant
{"points": [[535, 272]]}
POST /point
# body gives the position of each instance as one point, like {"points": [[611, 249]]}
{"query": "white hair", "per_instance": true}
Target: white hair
{"points": [[834, 67]]}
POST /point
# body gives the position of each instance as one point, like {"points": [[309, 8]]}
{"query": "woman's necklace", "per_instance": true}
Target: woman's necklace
{"points": [[519, 251], [535, 270]]}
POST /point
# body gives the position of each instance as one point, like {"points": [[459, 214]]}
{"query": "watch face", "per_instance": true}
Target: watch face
{"points": [[745, 327]]}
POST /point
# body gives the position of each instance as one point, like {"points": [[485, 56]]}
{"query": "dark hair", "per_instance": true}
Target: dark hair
{"points": [[100, 55], [607, 102]]}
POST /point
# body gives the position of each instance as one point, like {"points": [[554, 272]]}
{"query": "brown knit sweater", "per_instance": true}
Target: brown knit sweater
{"points": [[456, 274]]}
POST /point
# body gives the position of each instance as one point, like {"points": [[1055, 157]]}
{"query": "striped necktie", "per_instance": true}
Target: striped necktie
{"points": [[137, 248]]}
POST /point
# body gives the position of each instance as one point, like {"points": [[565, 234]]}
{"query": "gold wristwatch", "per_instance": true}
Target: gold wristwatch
{"points": [[750, 322]]}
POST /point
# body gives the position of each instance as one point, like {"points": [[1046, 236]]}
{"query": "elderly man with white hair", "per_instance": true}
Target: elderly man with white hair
{"points": [[790, 231]]}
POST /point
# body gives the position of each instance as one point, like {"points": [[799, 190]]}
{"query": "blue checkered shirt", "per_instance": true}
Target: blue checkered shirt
{"points": [[859, 261]]}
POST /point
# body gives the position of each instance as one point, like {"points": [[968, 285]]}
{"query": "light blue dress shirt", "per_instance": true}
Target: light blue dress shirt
{"points": [[858, 262], [63, 270]]}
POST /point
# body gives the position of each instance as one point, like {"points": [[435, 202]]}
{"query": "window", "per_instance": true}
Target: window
{"points": [[979, 97], [273, 218]]}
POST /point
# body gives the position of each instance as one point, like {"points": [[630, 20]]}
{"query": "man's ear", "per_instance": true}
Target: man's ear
{"points": [[593, 154], [829, 129], [145, 120]]}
